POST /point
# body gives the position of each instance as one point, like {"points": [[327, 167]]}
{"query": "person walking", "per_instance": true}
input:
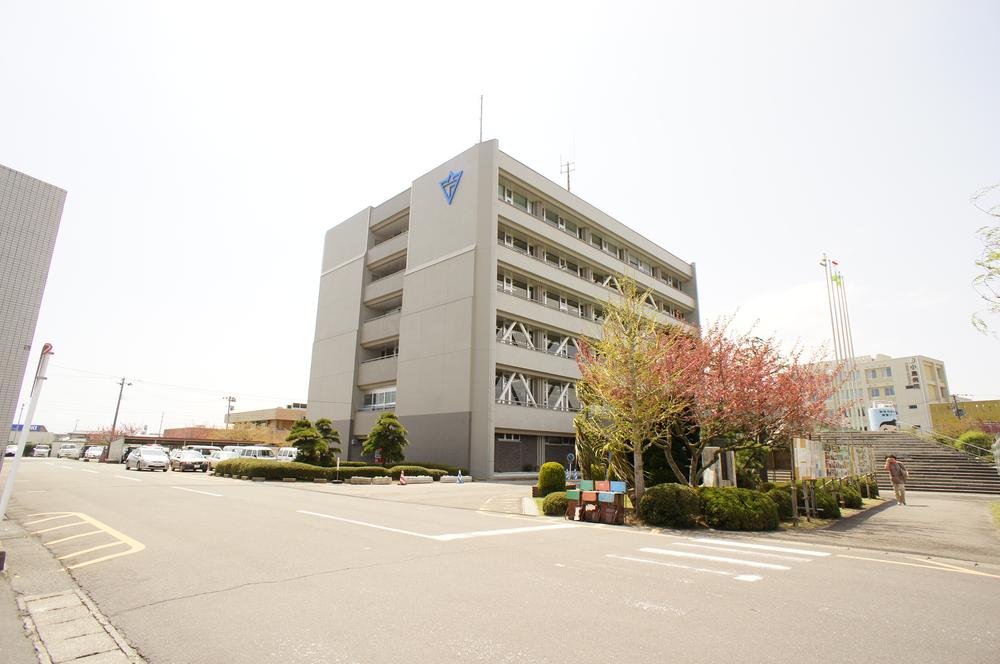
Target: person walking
{"points": [[898, 476]]}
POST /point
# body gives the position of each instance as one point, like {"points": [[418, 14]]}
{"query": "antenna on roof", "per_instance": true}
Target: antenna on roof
{"points": [[566, 167]]}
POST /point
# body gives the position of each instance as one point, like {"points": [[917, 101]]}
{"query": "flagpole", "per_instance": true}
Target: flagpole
{"points": [[836, 351], [850, 336], [848, 358]]}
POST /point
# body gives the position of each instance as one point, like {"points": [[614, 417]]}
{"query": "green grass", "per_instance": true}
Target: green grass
{"points": [[995, 507]]}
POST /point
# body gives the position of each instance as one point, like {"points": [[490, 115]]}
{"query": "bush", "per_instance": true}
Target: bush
{"points": [[977, 438], [554, 504], [730, 508], [272, 470], [671, 505], [782, 497], [872, 487], [552, 477], [827, 504], [449, 470], [852, 498]]}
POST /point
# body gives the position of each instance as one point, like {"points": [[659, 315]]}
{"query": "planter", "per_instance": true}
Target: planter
{"points": [[258, 479], [321, 480], [287, 479], [361, 480], [382, 481], [245, 477]]}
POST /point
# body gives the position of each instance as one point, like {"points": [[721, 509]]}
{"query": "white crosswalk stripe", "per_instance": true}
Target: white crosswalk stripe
{"points": [[724, 557]]}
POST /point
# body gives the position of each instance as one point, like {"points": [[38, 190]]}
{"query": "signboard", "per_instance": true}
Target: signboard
{"points": [[33, 427], [810, 461]]}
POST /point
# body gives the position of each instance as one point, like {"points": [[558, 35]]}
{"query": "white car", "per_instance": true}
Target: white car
{"points": [[93, 453], [147, 458], [287, 453], [41, 451], [10, 451], [255, 452], [221, 455], [69, 451]]}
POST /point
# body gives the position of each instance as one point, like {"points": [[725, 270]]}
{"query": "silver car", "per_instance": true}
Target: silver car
{"points": [[147, 458]]}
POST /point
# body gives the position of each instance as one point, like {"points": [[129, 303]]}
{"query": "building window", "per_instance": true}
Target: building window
{"points": [[509, 437], [890, 391], [871, 373], [913, 406], [383, 398], [888, 372], [874, 392]]}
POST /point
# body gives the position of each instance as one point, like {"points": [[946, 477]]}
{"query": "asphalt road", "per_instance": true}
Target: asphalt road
{"points": [[192, 568]]}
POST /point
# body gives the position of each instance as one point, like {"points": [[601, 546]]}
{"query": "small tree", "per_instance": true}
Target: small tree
{"points": [[987, 282], [388, 436], [104, 435], [331, 437], [311, 446]]}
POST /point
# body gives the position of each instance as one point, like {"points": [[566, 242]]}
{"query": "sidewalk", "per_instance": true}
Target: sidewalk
{"points": [[948, 525], [44, 616]]}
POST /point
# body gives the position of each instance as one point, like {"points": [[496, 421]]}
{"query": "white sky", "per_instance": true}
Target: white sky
{"points": [[206, 148]]}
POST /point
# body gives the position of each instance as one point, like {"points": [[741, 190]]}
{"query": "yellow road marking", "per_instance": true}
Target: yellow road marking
{"points": [[133, 545], [62, 515], [945, 568], [49, 530], [93, 548], [73, 537]]}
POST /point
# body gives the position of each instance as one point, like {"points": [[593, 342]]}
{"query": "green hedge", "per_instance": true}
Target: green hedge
{"points": [[276, 470], [730, 508], [413, 471], [852, 497], [554, 504], [782, 497], [552, 477], [449, 470], [670, 505]]}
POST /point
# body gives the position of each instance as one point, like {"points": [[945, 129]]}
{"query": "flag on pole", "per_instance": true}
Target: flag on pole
{"points": [[833, 262], [837, 279]]}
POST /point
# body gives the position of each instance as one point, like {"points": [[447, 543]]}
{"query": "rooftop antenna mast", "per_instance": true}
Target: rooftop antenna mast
{"points": [[566, 167]]}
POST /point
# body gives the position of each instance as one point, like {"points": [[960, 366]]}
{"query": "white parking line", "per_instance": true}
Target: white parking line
{"points": [[448, 537], [93, 548], [48, 530], [84, 470], [206, 493], [748, 553], [738, 577], [717, 559], [130, 479], [762, 547], [73, 537]]}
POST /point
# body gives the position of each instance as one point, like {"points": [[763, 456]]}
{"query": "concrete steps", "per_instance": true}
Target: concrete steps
{"points": [[932, 467]]}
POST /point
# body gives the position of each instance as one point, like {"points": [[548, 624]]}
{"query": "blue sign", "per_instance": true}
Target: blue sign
{"points": [[20, 427], [449, 185]]}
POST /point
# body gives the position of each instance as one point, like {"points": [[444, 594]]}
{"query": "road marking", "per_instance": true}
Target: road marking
{"points": [[762, 547], [130, 479], [207, 493], [751, 553], [50, 518], [84, 470], [93, 548], [946, 568], [717, 559], [368, 525], [134, 546], [48, 530], [738, 577], [448, 537], [72, 537]]}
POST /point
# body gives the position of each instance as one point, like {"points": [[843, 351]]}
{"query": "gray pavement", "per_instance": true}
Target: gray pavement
{"points": [[275, 572]]}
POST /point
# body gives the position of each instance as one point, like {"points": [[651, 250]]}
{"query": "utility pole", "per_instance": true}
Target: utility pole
{"points": [[121, 389], [567, 167], [229, 407]]}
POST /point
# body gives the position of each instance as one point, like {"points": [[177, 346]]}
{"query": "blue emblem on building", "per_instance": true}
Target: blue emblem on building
{"points": [[449, 185]]}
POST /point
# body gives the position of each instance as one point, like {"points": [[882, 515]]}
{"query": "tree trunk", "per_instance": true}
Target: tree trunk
{"points": [[640, 474]]}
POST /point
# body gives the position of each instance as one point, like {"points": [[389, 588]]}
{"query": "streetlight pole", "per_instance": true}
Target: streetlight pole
{"points": [[114, 423], [229, 407]]}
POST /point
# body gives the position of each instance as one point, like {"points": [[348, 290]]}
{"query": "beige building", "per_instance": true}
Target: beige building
{"points": [[457, 303], [278, 419], [909, 384]]}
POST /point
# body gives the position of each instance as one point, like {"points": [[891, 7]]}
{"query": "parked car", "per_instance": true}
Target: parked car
{"points": [[69, 451], [215, 457], [287, 453], [255, 452], [188, 460], [41, 450], [93, 453], [10, 451], [147, 458], [204, 450]]}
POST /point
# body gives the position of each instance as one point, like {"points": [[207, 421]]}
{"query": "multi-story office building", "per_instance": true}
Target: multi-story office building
{"points": [[458, 303], [30, 212], [908, 384]]}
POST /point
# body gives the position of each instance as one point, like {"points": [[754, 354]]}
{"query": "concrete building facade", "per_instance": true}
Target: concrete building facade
{"points": [[909, 384], [30, 212], [457, 304]]}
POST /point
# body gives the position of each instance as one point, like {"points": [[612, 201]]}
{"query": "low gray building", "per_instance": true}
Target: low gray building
{"points": [[458, 302]]}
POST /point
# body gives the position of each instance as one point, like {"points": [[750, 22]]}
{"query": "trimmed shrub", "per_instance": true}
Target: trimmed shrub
{"points": [[852, 498], [782, 497], [671, 505], [872, 487], [352, 464], [730, 508], [977, 438], [827, 505], [552, 477], [408, 469], [449, 470], [554, 504], [766, 486]]}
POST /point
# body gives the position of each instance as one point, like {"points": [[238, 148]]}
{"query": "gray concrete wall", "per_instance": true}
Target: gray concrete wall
{"points": [[333, 374]]}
